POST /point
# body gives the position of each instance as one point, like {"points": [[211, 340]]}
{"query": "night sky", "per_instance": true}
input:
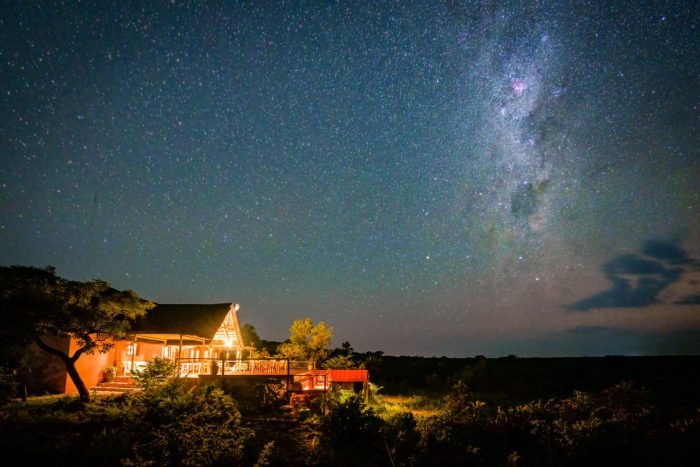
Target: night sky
{"points": [[429, 178]]}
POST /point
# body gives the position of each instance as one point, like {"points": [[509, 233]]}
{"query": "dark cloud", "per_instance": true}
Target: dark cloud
{"points": [[692, 300], [638, 279], [669, 252]]}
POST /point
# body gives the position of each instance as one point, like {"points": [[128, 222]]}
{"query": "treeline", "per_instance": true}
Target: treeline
{"points": [[513, 380]]}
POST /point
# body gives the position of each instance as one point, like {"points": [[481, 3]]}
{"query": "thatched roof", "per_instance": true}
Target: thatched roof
{"points": [[189, 320]]}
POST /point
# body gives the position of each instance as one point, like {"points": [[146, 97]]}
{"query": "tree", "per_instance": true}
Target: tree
{"points": [[346, 348], [250, 336], [306, 341], [36, 303], [340, 362]]}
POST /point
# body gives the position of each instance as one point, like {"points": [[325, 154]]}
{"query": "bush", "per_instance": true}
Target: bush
{"points": [[181, 426], [339, 362], [155, 373], [8, 386], [401, 437], [255, 398], [351, 431]]}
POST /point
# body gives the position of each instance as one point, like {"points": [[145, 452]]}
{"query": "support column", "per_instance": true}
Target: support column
{"points": [[290, 381], [179, 356], [133, 352]]}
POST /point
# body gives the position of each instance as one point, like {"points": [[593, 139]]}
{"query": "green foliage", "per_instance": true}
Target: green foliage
{"points": [[250, 336], [173, 424], [375, 399], [91, 312], [66, 431], [340, 396], [307, 341], [268, 348], [257, 398], [352, 431], [187, 426], [270, 396], [25, 294], [345, 349], [401, 437], [8, 386], [155, 373], [339, 362], [459, 399], [266, 458]]}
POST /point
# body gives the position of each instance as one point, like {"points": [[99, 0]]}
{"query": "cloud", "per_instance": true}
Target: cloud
{"points": [[638, 280], [665, 251], [692, 300]]}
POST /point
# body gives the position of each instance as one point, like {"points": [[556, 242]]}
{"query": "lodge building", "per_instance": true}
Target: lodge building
{"points": [[204, 341]]}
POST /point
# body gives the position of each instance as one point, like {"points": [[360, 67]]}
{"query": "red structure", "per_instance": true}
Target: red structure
{"points": [[349, 376], [322, 380]]}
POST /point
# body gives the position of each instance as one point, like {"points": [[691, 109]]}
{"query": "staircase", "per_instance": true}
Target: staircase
{"points": [[120, 385]]}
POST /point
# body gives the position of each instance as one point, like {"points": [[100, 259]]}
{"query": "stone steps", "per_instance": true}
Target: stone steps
{"points": [[120, 385]]}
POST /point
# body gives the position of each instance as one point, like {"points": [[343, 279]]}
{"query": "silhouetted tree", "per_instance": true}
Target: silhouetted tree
{"points": [[36, 303], [250, 336]]}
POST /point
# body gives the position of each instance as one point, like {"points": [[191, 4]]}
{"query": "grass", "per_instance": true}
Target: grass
{"points": [[418, 405]]}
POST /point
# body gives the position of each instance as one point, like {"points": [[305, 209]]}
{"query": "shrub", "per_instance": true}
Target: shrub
{"points": [[339, 362], [156, 372], [187, 426], [351, 432], [257, 398], [8, 385], [401, 437]]}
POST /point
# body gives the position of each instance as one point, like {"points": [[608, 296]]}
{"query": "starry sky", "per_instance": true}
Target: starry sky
{"points": [[430, 178]]}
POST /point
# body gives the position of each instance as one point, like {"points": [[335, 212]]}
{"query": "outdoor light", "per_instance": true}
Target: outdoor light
{"points": [[236, 307]]}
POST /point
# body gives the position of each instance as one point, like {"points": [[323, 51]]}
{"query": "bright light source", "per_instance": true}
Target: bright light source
{"points": [[236, 307]]}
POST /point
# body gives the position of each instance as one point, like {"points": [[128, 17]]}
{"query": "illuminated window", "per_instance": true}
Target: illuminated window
{"points": [[130, 349]]}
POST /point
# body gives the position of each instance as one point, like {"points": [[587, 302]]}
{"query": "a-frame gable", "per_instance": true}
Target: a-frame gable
{"points": [[229, 332]]}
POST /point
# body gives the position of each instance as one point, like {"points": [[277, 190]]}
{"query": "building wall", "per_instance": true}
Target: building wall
{"points": [[89, 366], [47, 373], [146, 352]]}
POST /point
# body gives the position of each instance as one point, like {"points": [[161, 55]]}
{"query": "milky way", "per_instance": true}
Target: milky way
{"points": [[430, 178]]}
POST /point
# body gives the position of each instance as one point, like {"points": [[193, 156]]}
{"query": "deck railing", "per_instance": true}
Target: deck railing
{"points": [[193, 367]]}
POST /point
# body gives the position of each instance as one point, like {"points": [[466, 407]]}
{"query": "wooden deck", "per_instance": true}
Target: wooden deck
{"points": [[194, 367]]}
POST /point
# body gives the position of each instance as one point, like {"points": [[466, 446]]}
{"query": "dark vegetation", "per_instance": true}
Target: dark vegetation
{"points": [[510, 380], [508, 411]]}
